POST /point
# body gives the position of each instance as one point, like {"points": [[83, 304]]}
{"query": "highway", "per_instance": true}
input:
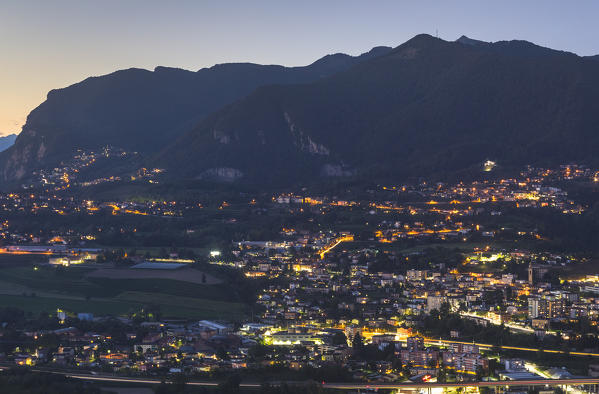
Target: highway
{"points": [[511, 326], [347, 386], [445, 342], [502, 383], [341, 386]]}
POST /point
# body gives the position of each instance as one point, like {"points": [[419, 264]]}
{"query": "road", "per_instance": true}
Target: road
{"points": [[536, 382], [511, 326], [445, 342], [332, 245], [350, 386]]}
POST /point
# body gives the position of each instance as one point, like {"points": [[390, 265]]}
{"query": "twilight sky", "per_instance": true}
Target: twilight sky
{"points": [[51, 44]]}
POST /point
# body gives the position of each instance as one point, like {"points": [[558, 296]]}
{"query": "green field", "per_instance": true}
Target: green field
{"points": [[39, 304], [166, 286], [187, 306], [44, 289], [128, 303], [67, 281]]}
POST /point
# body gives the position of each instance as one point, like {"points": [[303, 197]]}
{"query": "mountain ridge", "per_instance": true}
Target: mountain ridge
{"points": [[141, 110], [427, 105]]}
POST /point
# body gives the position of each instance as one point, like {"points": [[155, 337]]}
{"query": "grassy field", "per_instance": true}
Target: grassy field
{"points": [[15, 260], [130, 302], [44, 289], [39, 304], [186, 306], [62, 280], [167, 287]]}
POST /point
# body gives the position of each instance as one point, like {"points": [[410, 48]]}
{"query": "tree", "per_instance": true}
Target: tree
{"points": [[357, 343], [445, 309], [339, 338], [442, 375], [231, 385], [221, 353], [479, 372]]}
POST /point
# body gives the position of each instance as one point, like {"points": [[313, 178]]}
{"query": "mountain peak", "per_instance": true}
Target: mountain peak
{"points": [[164, 69], [422, 38], [470, 41], [342, 60], [333, 58], [421, 42]]}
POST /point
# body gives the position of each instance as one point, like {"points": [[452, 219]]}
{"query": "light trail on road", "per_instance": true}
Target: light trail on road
{"points": [[498, 383], [444, 342], [508, 325], [346, 238], [353, 386], [341, 385]]}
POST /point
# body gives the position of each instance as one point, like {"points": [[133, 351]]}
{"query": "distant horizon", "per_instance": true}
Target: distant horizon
{"points": [[71, 40]]}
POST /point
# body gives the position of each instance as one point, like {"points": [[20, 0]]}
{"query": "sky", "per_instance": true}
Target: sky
{"points": [[52, 44]]}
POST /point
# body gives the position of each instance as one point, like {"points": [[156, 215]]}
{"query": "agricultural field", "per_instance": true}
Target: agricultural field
{"points": [[185, 294], [185, 275]]}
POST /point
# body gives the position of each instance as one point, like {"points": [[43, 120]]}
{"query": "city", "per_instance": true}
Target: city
{"points": [[408, 284], [316, 197]]}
